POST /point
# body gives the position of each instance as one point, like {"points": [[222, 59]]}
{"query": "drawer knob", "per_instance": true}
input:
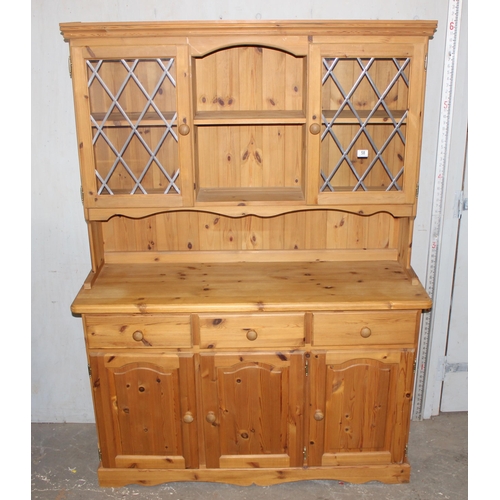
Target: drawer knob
{"points": [[184, 129], [315, 128], [365, 332], [251, 335], [210, 418], [319, 415], [188, 417], [138, 336]]}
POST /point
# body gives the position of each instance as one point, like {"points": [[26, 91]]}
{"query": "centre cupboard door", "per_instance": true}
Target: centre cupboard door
{"points": [[253, 409]]}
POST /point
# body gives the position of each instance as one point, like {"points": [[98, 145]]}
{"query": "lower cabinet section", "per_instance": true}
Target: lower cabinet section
{"points": [[248, 416]]}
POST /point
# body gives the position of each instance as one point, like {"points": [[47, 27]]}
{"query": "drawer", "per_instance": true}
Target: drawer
{"points": [[135, 331], [251, 330], [365, 328]]}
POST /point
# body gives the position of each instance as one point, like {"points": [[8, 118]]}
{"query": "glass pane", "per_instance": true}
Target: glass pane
{"points": [[364, 110], [133, 113]]}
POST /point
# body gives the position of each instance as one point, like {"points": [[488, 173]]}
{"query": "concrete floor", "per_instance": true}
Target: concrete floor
{"points": [[64, 462]]}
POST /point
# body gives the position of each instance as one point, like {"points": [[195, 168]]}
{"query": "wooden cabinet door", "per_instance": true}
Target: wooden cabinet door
{"points": [[133, 116], [253, 409], [365, 102], [145, 410], [359, 407]]}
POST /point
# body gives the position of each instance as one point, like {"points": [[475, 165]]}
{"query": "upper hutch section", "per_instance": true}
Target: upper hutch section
{"points": [[248, 117]]}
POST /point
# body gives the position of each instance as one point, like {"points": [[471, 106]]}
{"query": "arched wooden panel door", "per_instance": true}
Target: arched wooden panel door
{"points": [[252, 409], [145, 406], [359, 407]]}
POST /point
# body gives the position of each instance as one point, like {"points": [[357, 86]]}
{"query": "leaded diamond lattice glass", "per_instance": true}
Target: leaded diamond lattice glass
{"points": [[364, 113], [134, 124]]}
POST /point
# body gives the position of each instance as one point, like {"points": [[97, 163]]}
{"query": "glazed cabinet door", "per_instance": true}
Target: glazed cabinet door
{"points": [[359, 407], [365, 102], [133, 124], [252, 409], [145, 409]]}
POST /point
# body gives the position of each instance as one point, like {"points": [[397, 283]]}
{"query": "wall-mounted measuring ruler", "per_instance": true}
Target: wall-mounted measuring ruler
{"points": [[443, 154]]}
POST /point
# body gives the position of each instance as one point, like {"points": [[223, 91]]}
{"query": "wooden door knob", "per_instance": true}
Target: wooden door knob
{"points": [[365, 332], [184, 129], [210, 418], [138, 336], [319, 415], [251, 335], [188, 417], [315, 128]]}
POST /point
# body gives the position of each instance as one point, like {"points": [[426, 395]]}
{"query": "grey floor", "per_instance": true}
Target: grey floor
{"points": [[64, 461]]}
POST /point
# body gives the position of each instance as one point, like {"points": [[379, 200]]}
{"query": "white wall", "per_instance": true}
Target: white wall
{"points": [[60, 257]]}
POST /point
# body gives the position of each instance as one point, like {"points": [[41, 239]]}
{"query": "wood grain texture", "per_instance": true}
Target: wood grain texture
{"points": [[257, 405], [346, 328], [315, 230], [251, 331], [240, 28], [138, 331], [239, 287], [391, 474], [362, 407], [139, 399]]}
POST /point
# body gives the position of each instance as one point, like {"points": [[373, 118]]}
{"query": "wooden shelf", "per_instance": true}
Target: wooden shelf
{"points": [[249, 117], [379, 117], [251, 286], [372, 189], [151, 119], [244, 195], [125, 193]]}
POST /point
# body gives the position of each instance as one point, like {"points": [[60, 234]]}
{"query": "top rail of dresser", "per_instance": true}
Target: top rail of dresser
{"points": [[76, 30], [251, 287]]}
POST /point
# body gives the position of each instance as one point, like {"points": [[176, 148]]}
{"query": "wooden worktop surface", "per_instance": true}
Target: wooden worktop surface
{"points": [[251, 287]]}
